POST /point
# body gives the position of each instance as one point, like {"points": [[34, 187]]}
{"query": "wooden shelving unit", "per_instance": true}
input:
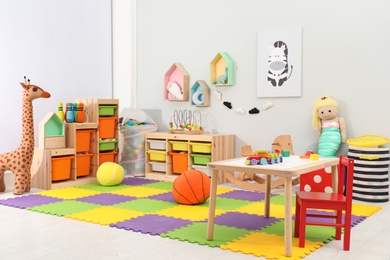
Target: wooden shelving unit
{"points": [[160, 149], [66, 143]]}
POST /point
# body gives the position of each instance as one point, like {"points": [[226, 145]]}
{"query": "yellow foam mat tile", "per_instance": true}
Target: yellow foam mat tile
{"points": [[139, 191], [105, 215], [68, 193], [364, 210], [270, 246], [222, 190], [194, 213], [276, 211]]}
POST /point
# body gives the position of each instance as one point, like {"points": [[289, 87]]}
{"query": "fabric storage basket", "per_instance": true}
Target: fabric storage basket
{"points": [[371, 173]]}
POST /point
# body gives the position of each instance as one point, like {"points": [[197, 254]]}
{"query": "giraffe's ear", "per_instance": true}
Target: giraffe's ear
{"points": [[23, 85]]}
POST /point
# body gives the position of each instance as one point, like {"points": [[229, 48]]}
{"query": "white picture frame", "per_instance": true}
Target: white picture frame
{"points": [[279, 62]]}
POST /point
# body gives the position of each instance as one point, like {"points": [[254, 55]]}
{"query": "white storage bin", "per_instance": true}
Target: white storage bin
{"points": [[157, 144], [158, 166], [201, 168]]}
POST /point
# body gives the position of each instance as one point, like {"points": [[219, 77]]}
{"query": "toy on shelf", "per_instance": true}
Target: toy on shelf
{"points": [[60, 112], [186, 122], [74, 113], [263, 157], [19, 161], [80, 114]]}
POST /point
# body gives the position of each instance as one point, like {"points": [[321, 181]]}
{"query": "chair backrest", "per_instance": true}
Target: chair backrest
{"points": [[345, 177], [246, 150], [283, 142]]}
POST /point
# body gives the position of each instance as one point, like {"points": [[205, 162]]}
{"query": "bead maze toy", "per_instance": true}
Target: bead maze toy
{"points": [[186, 122]]}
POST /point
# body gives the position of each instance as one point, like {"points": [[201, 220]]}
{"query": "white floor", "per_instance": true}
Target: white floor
{"points": [[30, 235]]}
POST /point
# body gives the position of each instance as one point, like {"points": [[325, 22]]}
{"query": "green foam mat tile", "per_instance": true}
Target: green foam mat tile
{"points": [[279, 200], [227, 204], [163, 185], [145, 205], [196, 233], [64, 208], [313, 233]]}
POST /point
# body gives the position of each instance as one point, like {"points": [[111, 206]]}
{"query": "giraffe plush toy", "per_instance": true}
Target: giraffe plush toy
{"points": [[19, 161]]}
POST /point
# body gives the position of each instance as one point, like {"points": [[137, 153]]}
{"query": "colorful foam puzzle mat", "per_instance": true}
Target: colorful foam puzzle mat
{"points": [[147, 206]]}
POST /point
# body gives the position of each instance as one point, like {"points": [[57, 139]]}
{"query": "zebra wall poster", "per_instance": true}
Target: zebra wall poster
{"points": [[279, 62]]}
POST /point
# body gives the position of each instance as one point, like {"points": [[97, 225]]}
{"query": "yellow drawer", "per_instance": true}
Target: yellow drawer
{"points": [[201, 147], [179, 146], [157, 155]]}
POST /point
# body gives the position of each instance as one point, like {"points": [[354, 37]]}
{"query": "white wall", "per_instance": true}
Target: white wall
{"points": [[124, 51], [64, 46], [345, 55]]}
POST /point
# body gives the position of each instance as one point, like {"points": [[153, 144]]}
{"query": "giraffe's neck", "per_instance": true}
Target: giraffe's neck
{"points": [[27, 124]]}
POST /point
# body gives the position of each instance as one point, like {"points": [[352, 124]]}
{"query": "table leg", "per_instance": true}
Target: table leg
{"points": [[287, 216], [212, 203], [267, 196], [334, 177]]}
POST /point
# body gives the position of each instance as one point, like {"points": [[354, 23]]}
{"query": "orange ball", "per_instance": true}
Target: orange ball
{"points": [[192, 187]]}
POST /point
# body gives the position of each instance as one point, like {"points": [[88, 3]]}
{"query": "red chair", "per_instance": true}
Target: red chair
{"points": [[340, 201]]}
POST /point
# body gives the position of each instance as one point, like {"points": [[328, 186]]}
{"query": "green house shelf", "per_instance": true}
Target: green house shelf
{"points": [[51, 132], [222, 70]]}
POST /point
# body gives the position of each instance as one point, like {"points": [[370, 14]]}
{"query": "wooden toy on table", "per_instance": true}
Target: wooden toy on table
{"points": [[19, 161], [255, 182], [264, 157]]}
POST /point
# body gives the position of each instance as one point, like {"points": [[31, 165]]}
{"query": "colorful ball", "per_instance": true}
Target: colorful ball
{"points": [[192, 187], [110, 174]]}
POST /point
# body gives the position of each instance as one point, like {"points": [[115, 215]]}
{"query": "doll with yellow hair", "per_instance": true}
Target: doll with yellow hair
{"points": [[330, 127]]}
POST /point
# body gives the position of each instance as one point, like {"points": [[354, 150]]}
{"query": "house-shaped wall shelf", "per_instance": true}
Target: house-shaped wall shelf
{"points": [[200, 94], [51, 132], [176, 83], [221, 70]]}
